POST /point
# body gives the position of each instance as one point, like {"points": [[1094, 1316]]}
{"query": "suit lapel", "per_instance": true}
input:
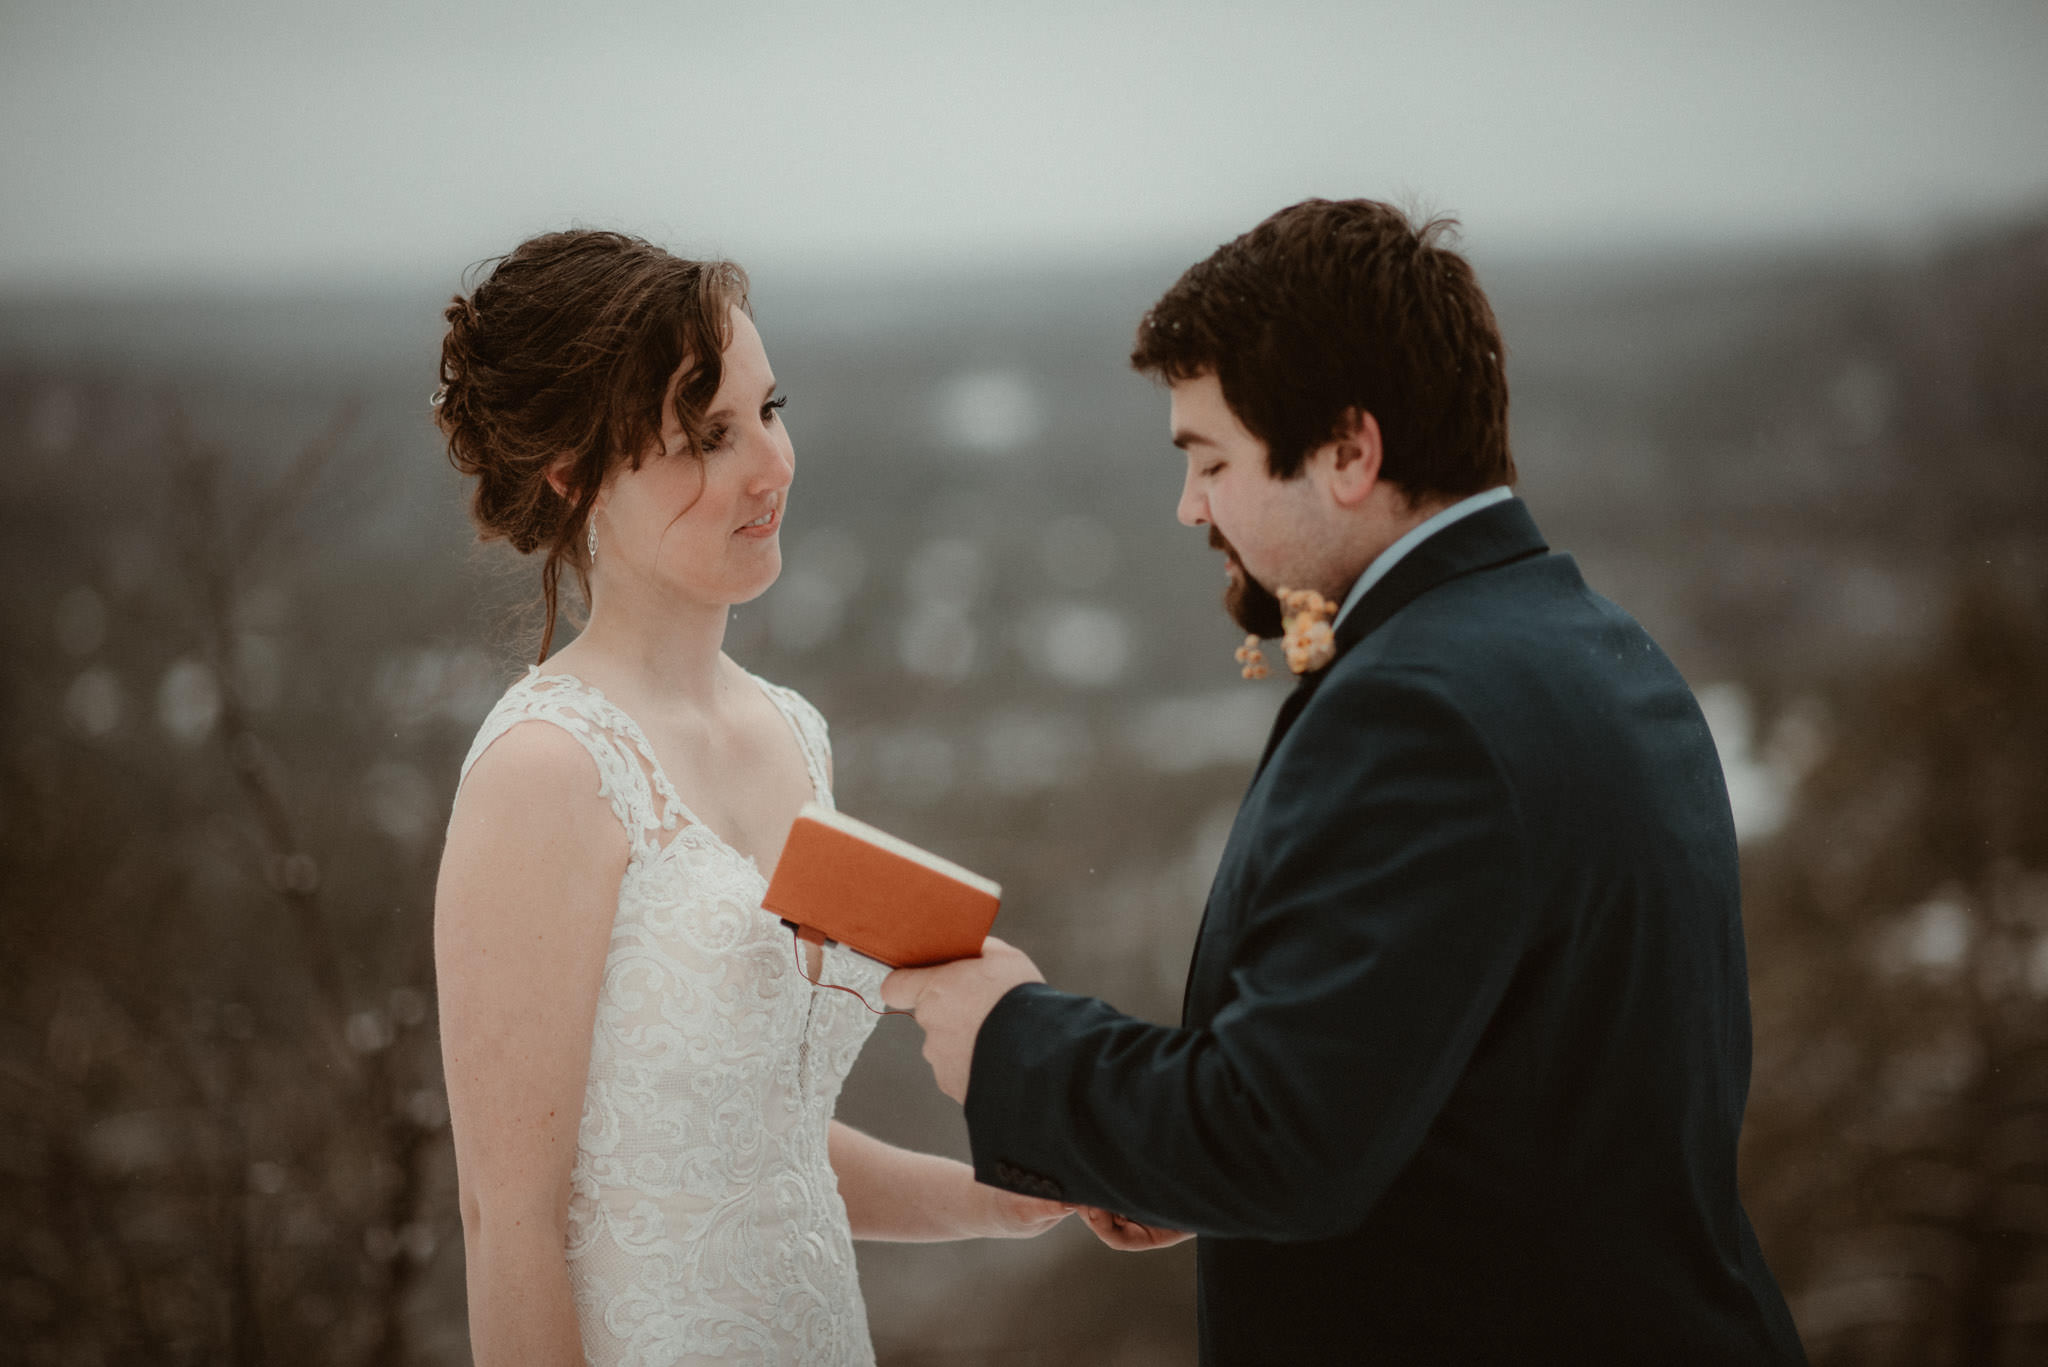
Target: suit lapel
{"points": [[1493, 536], [1483, 540]]}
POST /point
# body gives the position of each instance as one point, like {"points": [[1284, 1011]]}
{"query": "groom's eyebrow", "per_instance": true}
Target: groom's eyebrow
{"points": [[1183, 438]]}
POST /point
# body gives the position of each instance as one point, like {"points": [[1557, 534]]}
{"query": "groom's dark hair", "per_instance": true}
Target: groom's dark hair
{"points": [[1332, 307]]}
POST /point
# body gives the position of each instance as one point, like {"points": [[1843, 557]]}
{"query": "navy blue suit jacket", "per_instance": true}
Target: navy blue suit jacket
{"points": [[1466, 1042]]}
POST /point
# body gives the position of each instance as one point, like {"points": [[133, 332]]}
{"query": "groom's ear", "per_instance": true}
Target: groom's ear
{"points": [[1351, 460]]}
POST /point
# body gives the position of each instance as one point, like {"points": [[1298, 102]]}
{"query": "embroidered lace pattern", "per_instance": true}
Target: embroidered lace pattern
{"points": [[705, 1223]]}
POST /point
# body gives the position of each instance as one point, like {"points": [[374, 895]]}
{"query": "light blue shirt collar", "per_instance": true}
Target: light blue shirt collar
{"points": [[1415, 536]]}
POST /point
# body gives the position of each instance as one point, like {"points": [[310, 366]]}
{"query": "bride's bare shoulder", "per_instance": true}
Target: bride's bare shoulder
{"points": [[530, 750], [534, 777]]}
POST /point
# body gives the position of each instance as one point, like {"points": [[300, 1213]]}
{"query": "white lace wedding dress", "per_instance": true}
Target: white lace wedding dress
{"points": [[705, 1224]]}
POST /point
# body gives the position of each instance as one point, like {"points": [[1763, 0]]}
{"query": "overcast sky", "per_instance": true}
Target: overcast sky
{"points": [[270, 141]]}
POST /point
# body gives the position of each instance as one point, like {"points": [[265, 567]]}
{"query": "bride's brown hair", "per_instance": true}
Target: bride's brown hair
{"points": [[563, 353]]}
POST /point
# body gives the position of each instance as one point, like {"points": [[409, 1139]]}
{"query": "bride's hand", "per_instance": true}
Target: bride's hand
{"points": [[1126, 1235], [1017, 1216]]}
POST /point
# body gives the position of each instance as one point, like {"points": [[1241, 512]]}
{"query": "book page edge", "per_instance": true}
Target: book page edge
{"points": [[896, 845]]}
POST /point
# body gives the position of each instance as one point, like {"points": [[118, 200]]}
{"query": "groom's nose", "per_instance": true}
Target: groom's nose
{"points": [[1193, 510]]}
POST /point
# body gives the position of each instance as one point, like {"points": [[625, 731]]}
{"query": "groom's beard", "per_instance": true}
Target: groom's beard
{"points": [[1247, 600]]}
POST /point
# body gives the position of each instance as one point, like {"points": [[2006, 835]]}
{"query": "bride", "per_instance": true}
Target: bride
{"points": [[641, 1081]]}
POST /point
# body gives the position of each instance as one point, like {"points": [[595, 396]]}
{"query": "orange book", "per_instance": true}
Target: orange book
{"points": [[844, 880]]}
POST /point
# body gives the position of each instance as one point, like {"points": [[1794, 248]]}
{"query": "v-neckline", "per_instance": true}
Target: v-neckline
{"points": [[665, 788]]}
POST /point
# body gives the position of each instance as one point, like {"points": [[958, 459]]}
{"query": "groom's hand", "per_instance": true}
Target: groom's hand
{"points": [[952, 1000], [1126, 1235]]}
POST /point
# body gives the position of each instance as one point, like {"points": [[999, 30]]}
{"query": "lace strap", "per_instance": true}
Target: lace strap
{"points": [[813, 737], [628, 776]]}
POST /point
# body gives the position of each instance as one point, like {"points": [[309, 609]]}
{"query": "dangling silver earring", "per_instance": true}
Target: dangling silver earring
{"points": [[592, 539]]}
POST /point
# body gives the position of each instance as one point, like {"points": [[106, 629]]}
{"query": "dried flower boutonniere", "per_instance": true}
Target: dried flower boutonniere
{"points": [[1307, 636], [1252, 658], [1309, 641]]}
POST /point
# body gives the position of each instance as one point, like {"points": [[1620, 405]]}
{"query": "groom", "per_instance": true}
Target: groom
{"points": [[1463, 1057]]}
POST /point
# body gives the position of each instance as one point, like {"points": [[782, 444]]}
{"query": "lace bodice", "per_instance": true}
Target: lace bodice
{"points": [[704, 1220]]}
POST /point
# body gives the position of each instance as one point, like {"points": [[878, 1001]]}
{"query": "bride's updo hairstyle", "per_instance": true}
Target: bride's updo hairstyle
{"points": [[565, 349]]}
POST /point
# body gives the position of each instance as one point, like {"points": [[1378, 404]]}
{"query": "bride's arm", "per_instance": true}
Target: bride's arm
{"points": [[895, 1194], [522, 919]]}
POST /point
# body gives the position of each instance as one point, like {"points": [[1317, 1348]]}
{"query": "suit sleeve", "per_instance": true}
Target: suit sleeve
{"points": [[1380, 922]]}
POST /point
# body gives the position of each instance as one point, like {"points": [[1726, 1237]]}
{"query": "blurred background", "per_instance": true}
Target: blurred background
{"points": [[1774, 282]]}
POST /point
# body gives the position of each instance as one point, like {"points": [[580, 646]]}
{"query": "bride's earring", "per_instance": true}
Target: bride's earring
{"points": [[592, 539]]}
